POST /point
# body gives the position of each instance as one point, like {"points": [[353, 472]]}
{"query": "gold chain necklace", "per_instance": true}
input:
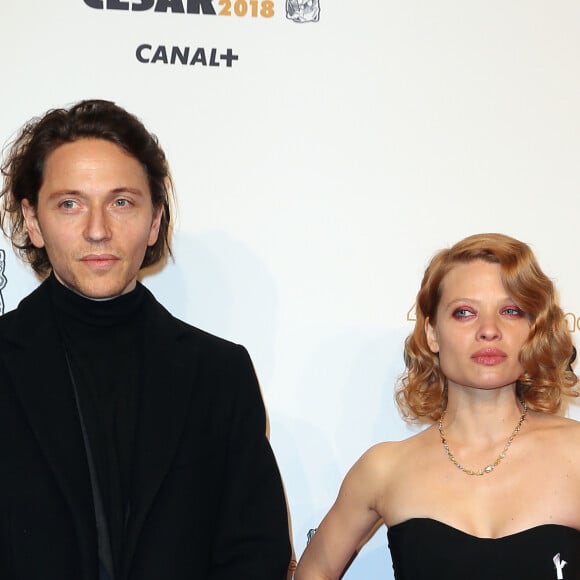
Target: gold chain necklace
{"points": [[488, 468]]}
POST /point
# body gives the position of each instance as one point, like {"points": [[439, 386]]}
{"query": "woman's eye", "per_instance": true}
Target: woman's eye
{"points": [[462, 313], [513, 311]]}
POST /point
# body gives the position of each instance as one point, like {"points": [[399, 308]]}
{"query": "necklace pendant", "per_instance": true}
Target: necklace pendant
{"points": [[488, 469]]}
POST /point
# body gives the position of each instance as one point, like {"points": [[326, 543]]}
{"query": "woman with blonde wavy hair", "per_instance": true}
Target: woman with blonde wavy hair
{"points": [[491, 489]]}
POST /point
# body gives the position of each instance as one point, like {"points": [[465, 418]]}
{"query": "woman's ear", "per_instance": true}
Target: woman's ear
{"points": [[431, 334]]}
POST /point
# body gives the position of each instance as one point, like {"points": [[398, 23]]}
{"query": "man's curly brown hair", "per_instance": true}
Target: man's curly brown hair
{"points": [[23, 169]]}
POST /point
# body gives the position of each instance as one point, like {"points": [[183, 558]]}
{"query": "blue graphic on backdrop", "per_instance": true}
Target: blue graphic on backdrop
{"points": [[303, 10], [3, 280]]}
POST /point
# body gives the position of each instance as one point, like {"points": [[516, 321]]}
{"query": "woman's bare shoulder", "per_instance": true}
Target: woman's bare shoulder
{"points": [[558, 432], [382, 460], [389, 451], [556, 423]]}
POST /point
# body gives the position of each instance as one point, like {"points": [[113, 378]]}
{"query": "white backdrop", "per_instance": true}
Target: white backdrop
{"points": [[316, 176]]}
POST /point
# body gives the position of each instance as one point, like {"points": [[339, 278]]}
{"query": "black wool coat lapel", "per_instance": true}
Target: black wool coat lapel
{"points": [[44, 387], [169, 369]]}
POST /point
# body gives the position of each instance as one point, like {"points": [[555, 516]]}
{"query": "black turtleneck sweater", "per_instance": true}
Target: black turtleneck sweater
{"points": [[103, 341]]}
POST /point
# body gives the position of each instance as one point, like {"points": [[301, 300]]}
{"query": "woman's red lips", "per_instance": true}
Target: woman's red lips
{"points": [[489, 356]]}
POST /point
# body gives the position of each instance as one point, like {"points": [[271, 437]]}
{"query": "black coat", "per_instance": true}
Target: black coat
{"points": [[206, 499]]}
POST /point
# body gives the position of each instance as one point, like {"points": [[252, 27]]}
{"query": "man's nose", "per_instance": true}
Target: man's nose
{"points": [[97, 228]]}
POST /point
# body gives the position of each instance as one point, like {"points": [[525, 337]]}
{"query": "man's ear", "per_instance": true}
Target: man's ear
{"points": [[155, 225], [31, 221], [431, 334]]}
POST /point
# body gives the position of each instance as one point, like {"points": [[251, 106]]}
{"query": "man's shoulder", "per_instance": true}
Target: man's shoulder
{"points": [[205, 338], [7, 321], [185, 331], [32, 308]]}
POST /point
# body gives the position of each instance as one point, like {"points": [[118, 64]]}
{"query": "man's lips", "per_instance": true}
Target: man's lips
{"points": [[99, 260], [489, 356]]}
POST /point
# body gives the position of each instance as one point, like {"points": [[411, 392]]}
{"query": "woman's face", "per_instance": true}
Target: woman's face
{"points": [[479, 330]]}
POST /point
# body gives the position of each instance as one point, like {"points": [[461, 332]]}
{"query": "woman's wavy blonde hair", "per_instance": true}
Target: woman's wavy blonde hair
{"points": [[546, 356]]}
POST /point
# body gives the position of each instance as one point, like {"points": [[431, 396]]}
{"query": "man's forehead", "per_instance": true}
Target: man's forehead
{"points": [[87, 147], [93, 164]]}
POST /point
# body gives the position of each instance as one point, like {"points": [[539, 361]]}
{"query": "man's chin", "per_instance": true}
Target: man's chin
{"points": [[100, 289]]}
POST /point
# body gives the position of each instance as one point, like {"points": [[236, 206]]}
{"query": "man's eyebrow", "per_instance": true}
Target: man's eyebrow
{"points": [[134, 190], [63, 192], [79, 192]]}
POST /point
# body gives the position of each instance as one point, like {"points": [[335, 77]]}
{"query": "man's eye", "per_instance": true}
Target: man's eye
{"points": [[68, 204], [121, 202]]}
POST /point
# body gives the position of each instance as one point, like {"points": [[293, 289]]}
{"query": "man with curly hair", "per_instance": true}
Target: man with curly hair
{"points": [[133, 445]]}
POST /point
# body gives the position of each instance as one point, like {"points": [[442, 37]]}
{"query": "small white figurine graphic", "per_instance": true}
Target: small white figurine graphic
{"points": [[303, 10], [559, 566]]}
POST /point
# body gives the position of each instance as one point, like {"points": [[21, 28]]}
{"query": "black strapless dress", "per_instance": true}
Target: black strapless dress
{"points": [[425, 549]]}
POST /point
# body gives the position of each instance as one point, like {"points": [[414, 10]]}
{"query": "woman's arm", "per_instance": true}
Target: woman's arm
{"points": [[348, 522]]}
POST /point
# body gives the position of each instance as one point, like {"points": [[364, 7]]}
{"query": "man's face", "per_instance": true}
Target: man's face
{"points": [[94, 217]]}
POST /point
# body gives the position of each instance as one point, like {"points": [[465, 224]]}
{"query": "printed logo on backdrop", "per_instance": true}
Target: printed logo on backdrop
{"points": [[572, 319], [300, 11], [185, 55], [235, 8], [191, 56], [3, 280], [303, 10]]}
